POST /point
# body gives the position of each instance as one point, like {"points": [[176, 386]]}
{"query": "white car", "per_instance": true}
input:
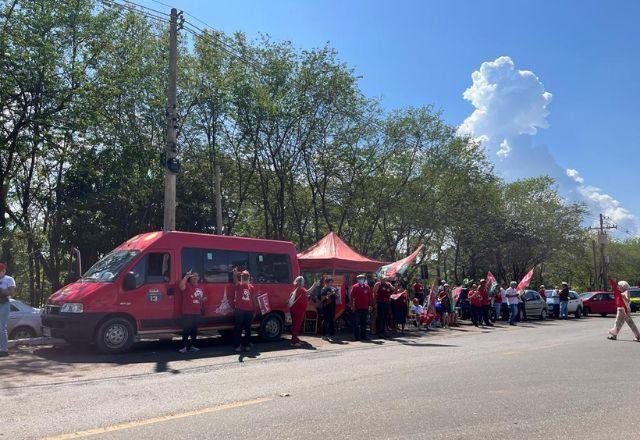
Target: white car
{"points": [[575, 303], [24, 321]]}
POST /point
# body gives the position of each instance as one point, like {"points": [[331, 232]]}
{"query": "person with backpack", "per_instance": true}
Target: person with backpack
{"points": [[298, 307]]}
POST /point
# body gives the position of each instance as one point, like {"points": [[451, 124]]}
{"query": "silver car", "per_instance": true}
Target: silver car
{"points": [[24, 321], [534, 305]]}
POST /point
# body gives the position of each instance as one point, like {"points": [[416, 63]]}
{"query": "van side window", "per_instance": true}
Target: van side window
{"points": [[191, 260], [158, 268], [152, 269], [272, 268], [216, 267]]}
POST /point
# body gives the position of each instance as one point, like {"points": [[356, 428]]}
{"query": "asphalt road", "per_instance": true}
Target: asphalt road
{"points": [[540, 380]]}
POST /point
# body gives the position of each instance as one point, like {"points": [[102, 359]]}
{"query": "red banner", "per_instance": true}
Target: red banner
{"points": [[525, 281], [399, 267]]}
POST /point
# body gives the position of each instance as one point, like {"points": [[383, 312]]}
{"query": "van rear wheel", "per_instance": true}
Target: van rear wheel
{"points": [[271, 327], [115, 335]]}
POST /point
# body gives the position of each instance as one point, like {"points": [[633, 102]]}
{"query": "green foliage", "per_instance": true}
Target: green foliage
{"points": [[301, 151]]}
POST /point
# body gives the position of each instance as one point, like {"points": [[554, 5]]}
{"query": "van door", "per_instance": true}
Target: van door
{"points": [[152, 301]]}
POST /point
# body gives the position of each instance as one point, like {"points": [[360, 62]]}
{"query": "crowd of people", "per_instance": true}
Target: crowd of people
{"points": [[374, 307]]}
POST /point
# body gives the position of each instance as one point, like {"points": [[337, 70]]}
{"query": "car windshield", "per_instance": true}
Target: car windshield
{"points": [[550, 293], [634, 293], [108, 268]]}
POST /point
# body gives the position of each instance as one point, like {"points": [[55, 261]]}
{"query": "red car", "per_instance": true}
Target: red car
{"points": [[598, 302]]}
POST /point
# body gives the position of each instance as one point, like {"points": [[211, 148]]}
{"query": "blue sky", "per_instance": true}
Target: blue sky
{"points": [[412, 53]]}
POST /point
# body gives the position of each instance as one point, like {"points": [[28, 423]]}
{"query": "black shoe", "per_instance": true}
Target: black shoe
{"points": [[4, 353], [512, 323]]}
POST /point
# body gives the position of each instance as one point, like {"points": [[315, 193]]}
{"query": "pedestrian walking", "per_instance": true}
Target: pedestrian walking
{"points": [[382, 292], [622, 313], [244, 299], [564, 301], [193, 299], [475, 300], [7, 289], [298, 302], [361, 298], [328, 297], [512, 300]]}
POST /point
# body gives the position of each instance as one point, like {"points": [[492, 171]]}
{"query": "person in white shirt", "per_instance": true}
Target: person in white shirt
{"points": [[512, 299], [7, 288]]}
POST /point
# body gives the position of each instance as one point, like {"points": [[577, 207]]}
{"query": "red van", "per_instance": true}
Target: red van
{"points": [[133, 291]]}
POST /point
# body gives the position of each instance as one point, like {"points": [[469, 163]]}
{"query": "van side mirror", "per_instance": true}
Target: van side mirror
{"points": [[129, 281], [71, 277]]}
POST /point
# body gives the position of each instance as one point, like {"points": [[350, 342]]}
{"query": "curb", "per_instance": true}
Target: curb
{"points": [[36, 341]]}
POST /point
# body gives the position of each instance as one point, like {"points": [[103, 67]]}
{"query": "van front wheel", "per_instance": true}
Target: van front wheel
{"points": [[115, 335], [271, 327]]}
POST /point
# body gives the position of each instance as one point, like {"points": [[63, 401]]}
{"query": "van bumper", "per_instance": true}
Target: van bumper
{"points": [[72, 327]]}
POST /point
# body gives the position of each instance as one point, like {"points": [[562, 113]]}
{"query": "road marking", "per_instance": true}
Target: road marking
{"points": [[138, 423]]}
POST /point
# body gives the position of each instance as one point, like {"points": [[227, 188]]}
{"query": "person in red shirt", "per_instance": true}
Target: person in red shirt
{"points": [[542, 292], [361, 297], [382, 292], [418, 291], [298, 307], [475, 299], [193, 298], [244, 300], [486, 302]]}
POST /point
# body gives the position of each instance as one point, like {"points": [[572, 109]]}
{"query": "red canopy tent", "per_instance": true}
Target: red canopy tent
{"points": [[333, 254]]}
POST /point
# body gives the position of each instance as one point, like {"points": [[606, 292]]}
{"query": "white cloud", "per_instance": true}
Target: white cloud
{"points": [[510, 106], [504, 150], [575, 175]]}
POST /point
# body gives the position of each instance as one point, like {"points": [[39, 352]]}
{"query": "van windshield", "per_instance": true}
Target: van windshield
{"points": [[108, 268]]}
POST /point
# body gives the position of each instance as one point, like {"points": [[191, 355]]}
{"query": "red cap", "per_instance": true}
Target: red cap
{"points": [[245, 272], [416, 301], [3, 266]]}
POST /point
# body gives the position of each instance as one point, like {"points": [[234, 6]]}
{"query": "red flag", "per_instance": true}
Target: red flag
{"points": [[432, 298], [399, 267], [525, 281], [491, 280], [618, 296]]}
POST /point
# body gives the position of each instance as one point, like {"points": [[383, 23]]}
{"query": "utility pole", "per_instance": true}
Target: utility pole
{"points": [[605, 225], [219, 230], [170, 162]]}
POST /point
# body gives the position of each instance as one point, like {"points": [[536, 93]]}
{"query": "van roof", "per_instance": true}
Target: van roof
{"points": [[173, 239]]}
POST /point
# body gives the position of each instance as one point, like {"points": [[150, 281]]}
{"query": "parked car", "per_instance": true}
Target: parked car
{"points": [[575, 302], [598, 302], [535, 305], [634, 297], [24, 321]]}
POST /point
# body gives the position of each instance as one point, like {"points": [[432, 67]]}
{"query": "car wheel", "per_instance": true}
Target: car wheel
{"points": [[22, 332], [586, 312], [115, 335], [271, 327], [578, 313], [603, 314], [543, 314]]}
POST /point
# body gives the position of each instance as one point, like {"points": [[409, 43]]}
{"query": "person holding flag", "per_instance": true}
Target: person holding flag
{"points": [[621, 294]]}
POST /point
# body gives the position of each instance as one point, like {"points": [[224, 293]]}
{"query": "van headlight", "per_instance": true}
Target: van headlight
{"points": [[72, 308]]}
